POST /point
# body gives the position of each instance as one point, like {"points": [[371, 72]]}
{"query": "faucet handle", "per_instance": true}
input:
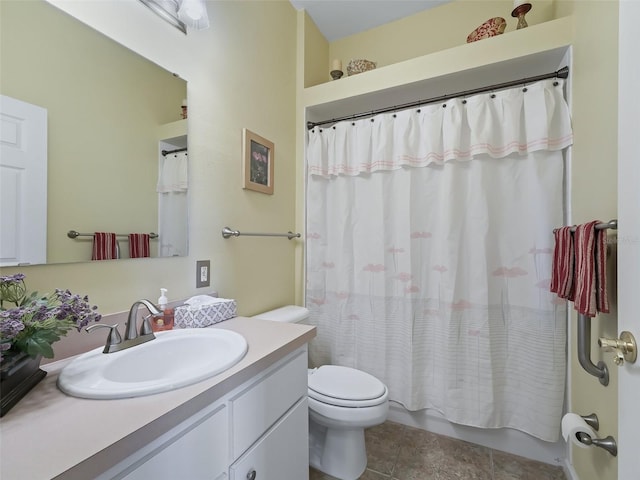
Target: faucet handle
{"points": [[145, 328], [113, 338]]}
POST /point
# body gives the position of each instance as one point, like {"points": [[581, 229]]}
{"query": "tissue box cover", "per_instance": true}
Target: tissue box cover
{"points": [[204, 315]]}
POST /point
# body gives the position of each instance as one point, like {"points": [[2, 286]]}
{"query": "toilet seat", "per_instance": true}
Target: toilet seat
{"points": [[345, 387]]}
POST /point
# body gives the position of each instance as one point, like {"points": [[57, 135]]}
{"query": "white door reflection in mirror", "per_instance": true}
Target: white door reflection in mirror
{"points": [[23, 183]]}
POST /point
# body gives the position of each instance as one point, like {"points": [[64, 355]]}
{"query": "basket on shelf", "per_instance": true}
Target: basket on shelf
{"points": [[359, 66], [490, 28]]}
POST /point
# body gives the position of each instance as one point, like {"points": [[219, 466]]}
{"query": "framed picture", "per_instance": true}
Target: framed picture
{"points": [[258, 155]]}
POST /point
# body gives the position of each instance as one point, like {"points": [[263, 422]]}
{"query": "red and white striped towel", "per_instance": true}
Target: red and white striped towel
{"points": [[590, 274], [138, 245], [563, 264], [105, 246]]}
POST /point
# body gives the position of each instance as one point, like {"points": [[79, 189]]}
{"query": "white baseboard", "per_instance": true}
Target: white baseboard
{"points": [[504, 439], [569, 471]]}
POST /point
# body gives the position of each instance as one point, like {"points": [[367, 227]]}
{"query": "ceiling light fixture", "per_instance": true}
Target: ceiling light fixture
{"points": [[193, 13], [181, 13]]}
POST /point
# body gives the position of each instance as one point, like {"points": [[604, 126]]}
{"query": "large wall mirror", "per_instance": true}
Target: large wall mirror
{"points": [[109, 115]]}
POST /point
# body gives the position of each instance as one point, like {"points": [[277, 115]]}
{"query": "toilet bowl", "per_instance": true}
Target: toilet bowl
{"points": [[343, 402]]}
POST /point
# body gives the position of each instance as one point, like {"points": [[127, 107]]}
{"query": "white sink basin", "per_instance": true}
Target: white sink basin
{"points": [[176, 358]]}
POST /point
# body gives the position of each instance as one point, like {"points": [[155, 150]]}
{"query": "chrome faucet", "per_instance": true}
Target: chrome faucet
{"points": [[131, 336], [130, 330]]}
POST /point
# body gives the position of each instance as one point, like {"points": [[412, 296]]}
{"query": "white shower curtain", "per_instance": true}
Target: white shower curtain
{"points": [[173, 205], [429, 240]]}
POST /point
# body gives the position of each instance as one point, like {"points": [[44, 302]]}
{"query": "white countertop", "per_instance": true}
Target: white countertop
{"points": [[48, 433]]}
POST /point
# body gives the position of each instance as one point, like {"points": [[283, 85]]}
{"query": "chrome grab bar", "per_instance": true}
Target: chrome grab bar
{"points": [[227, 232], [584, 331], [584, 351], [74, 234]]}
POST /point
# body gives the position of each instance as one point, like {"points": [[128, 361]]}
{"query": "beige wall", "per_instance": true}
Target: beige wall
{"points": [[316, 54], [241, 73], [431, 31], [594, 196], [104, 106]]}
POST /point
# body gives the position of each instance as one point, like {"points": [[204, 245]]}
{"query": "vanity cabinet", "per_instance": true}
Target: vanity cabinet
{"points": [[281, 453], [255, 408], [258, 430], [270, 425], [197, 449]]}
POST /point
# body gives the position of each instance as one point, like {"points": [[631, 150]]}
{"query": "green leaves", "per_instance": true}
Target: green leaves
{"points": [[38, 321], [12, 289], [37, 339]]}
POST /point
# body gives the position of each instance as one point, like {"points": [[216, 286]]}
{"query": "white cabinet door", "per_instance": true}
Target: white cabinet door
{"points": [[257, 407], [282, 453], [199, 452]]}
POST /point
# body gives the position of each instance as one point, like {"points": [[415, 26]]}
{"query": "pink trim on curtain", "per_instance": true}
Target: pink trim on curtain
{"points": [[518, 121]]}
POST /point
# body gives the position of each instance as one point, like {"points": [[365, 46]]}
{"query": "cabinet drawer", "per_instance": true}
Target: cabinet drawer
{"points": [[262, 403], [281, 454], [198, 452]]}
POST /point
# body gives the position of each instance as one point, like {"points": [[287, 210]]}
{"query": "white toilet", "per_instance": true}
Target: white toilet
{"points": [[343, 402]]}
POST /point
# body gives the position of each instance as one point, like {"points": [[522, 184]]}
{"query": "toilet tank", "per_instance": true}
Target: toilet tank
{"points": [[289, 314]]}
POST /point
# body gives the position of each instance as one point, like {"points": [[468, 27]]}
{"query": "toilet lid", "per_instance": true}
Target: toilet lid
{"points": [[332, 382]]}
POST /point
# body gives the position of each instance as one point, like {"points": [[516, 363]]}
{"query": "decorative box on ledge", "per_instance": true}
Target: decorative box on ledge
{"points": [[198, 315]]}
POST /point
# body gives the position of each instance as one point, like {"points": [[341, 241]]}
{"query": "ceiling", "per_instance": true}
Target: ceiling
{"points": [[340, 18]]}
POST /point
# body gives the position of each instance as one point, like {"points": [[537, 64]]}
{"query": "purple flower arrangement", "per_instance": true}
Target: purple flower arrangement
{"points": [[35, 322]]}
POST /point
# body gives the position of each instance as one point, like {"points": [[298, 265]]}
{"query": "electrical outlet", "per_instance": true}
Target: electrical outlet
{"points": [[202, 273]]}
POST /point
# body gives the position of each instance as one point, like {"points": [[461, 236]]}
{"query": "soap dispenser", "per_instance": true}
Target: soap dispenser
{"points": [[163, 321]]}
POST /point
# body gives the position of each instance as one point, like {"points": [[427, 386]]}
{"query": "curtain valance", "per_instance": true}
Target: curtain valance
{"points": [[173, 174], [518, 120]]}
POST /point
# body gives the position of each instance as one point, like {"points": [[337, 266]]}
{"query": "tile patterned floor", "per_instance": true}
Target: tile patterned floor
{"points": [[399, 452]]}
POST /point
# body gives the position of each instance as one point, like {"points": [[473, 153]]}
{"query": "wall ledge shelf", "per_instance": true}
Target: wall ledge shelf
{"points": [[522, 53], [172, 129]]}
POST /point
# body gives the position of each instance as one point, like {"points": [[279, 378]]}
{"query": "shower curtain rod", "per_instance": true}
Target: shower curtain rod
{"points": [[562, 73], [167, 152]]}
